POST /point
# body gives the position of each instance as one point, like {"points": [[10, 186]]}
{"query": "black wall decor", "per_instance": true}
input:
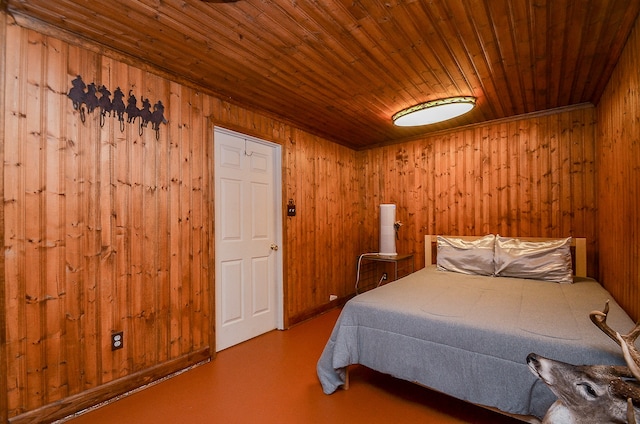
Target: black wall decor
{"points": [[117, 105], [77, 95], [83, 95]]}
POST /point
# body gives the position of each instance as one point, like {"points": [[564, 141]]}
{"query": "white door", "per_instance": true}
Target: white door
{"points": [[248, 234]]}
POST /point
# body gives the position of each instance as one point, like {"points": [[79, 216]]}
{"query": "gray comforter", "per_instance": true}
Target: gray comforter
{"points": [[468, 336]]}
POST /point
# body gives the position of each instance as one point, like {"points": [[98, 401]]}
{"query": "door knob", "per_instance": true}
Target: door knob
{"points": [[274, 246]]}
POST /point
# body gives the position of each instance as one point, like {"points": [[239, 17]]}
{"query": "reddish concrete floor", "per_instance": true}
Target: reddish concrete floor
{"points": [[272, 379]]}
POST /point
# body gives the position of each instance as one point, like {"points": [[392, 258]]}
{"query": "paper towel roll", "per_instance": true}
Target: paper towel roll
{"points": [[387, 229]]}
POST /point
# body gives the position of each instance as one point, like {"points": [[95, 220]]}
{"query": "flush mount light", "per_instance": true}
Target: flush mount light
{"points": [[434, 111]]}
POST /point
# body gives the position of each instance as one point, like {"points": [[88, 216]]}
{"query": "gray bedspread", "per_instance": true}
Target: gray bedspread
{"points": [[468, 336]]}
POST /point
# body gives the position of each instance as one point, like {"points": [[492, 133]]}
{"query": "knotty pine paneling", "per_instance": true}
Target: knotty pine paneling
{"points": [[618, 152], [532, 176], [106, 230], [3, 284], [346, 57], [323, 239]]}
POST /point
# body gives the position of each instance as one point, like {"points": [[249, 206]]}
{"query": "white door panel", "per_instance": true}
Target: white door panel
{"points": [[231, 197], [231, 295], [261, 287], [248, 270]]}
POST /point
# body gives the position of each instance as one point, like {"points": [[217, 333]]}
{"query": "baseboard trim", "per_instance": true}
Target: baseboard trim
{"points": [[312, 313], [73, 405]]}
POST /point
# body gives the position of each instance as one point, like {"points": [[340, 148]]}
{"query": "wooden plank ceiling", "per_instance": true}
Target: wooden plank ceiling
{"points": [[342, 68]]}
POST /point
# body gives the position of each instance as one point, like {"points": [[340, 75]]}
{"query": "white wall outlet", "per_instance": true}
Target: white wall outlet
{"points": [[332, 297]]}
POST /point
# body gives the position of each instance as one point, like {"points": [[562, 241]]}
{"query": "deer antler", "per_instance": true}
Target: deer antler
{"points": [[626, 342], [630, 352]]}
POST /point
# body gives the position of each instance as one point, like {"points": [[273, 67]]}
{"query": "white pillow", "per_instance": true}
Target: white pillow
{"points": [[541, 260], [465, 256]]}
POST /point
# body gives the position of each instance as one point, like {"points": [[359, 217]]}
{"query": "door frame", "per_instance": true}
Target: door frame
{"points": [[278, 224]]}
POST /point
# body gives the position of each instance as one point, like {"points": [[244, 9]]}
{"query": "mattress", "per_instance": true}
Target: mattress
{"points": [[468, 336]]}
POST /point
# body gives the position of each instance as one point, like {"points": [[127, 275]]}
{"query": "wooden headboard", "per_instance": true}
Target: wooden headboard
{"points": [[580, 245]]}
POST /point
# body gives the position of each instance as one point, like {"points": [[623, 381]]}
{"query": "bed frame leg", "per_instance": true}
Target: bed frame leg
{"points": [[345, 386]]}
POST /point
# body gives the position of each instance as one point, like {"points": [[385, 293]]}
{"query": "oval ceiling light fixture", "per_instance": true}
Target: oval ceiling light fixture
{"points": [[434, 111]]}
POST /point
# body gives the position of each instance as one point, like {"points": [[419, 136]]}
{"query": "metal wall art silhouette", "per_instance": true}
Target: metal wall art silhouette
{"points": [[83, 95]]}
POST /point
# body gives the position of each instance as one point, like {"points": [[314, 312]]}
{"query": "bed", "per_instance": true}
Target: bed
{"points": [[468, 335]]}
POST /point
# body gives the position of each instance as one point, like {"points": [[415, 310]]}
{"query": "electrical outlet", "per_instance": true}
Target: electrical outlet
{"points": [[117, 340], [332, 297], [384, 276]]}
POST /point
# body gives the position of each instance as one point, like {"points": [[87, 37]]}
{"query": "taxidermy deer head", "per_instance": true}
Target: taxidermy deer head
{"points": [[593, 393]]}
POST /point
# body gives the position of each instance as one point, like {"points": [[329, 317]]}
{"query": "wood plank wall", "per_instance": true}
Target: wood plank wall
{"points": [[110, 231], [531, 176], [105, 230], [3, 283], [322, 239], [618, 152]]}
